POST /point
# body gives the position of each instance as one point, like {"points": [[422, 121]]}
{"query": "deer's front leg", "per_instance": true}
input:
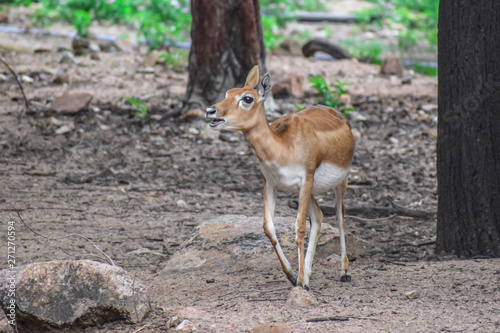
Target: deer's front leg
{"points": [[300, 226], [270, 231]]}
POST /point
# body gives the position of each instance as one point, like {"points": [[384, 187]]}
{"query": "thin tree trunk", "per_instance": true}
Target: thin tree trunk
{"points": [[227, 42], [468, 165]]}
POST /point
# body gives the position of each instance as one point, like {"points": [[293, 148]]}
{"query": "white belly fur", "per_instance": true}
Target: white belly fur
{"points": [[326, 177]]}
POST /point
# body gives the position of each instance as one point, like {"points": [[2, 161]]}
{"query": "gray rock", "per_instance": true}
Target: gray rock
{"points": [[300, 298], [71, 295], [67, 58], [406, 79], [227, 240]]}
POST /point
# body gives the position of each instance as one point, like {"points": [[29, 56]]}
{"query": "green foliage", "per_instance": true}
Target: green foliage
{"points": [[139, 108], [175, 59], [331, 95], [82, 21], [158, 20], [426, 70], [277, 13], [270, 27], [366, 50], [413, 18]]}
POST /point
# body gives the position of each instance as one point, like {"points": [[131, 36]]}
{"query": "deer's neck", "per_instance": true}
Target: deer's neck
{"points": [[267, 144]]}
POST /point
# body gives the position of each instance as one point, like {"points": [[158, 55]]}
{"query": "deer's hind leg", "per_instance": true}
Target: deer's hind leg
{"points": [[340, 209], [315, 216]]}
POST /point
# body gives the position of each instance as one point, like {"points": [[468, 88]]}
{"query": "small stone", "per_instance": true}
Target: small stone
{"points": [[228, 137], [181, 204], [414, 294], [151, 59], [290, 47], [429, 107], [26, 79], [185, 325], [207, 133], [65, 129], [4, 18], [288, 85], [406, 79], [393, 140], [175, 321], [145, 70], [93, 47], [391, 66], [193, 131], [94, 56], [67, 58], [71, 102], [109, 46], [61, 78], [300, 298]]}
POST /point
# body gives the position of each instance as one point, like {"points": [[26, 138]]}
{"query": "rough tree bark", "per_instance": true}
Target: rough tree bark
{"points": [[227, 42], [468, 150]]}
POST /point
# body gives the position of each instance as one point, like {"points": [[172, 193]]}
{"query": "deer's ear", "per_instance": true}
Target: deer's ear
{"points": [[265, 87], [253, 77]]}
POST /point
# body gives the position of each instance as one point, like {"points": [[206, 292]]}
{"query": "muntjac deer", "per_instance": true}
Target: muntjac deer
{"points": [[309, 151]]}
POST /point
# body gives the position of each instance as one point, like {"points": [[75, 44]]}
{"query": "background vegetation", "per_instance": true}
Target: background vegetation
{"points": [[161, 21]]}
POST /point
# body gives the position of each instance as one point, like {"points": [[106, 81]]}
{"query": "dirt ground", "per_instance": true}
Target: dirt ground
{"points": [[138, 190]]}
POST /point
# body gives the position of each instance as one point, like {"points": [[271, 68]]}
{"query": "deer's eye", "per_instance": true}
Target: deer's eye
{"points": [[247, 99]]}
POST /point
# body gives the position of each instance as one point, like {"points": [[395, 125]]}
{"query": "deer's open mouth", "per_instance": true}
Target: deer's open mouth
{"points": [[217, 121]]}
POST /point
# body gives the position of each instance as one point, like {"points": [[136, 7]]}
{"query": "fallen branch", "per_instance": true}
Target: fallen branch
{"points": [[426, 242], [337, 318], [315, 45], [26, 102], [106, 257], [395, 209], [319, 17], [320, 319]]}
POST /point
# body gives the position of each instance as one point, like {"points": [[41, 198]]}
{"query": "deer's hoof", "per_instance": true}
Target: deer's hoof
{"points": [[345, 277]]}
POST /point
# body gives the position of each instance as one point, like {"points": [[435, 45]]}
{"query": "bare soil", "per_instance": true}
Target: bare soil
{"points": [[138, 189]]}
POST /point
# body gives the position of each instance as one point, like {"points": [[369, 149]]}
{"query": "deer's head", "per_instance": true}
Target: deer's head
{"points": [[242, 107]]}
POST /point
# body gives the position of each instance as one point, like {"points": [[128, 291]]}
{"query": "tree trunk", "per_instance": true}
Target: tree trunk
{"points": [[468, 150], [227, 42]]}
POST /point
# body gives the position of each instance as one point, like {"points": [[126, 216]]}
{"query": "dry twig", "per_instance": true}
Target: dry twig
{"points": [[26, 102], [141, 328], [106, 257]]}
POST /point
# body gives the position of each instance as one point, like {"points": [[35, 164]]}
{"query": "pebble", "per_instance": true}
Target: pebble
{"points": [[228, 137], [145, 70], [181, 204], [300, 298], [61, 78], [193, 131], [414, 294], [65, 128], [67, 58], [406, 79]]}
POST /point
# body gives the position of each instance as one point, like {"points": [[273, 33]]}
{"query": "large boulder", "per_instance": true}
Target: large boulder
{"points": [[236, 239], [71, 295]]}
